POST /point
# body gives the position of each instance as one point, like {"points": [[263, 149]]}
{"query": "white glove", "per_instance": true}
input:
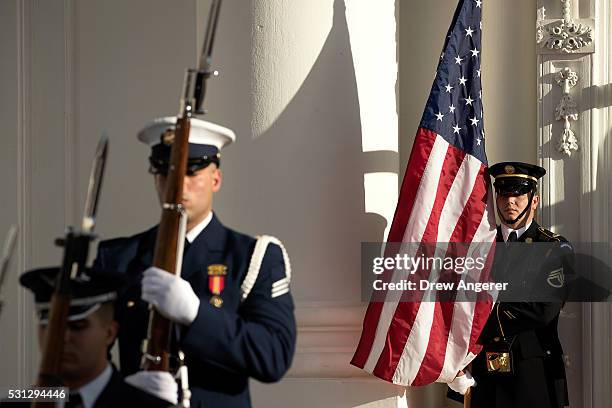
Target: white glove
{"points": [[462, 383], [158, 383], [172, 295]]}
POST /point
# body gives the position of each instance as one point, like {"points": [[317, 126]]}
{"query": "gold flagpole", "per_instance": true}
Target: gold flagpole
{"points": [[467, 398]]}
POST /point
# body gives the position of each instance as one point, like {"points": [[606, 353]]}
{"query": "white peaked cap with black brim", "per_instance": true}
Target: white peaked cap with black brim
{"points": [[201, 133]]}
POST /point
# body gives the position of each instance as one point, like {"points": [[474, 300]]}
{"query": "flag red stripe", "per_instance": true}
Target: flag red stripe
{"points": [[370, 323], [464, 231], [473, 211], [419, 155], [406, 312], [483, 305], [452, 162]]}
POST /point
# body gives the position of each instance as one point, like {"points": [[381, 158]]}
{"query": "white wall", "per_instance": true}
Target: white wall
{"points": [[313, 92]]}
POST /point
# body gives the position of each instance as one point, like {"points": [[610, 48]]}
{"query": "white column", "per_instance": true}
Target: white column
{"points": [[576, 192], [315, 164]]}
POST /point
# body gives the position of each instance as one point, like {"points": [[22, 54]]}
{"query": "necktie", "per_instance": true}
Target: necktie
{"points": [[512, 237], [74, 401]]}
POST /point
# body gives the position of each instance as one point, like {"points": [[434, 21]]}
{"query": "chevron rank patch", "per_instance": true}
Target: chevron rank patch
{"points": [[280, 287], [556, 278]]}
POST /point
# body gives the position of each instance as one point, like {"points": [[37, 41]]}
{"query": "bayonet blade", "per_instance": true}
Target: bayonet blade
{"points": [[7, 254], [95, 184], [209, 39]]}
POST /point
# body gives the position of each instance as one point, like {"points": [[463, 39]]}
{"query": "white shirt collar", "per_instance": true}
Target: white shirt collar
{"points": [[92, 390], [195, 231], [506, 230]]}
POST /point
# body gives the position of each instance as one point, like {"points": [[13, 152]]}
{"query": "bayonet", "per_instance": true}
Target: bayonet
{"points": [[7, 254], [95, 183]]}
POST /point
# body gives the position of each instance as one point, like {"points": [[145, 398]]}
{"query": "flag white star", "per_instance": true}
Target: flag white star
{"points": [[462, 81], [452, 108], [458, 60], [478, 73], [439, 115], [479, 3], [478, 141], [474, 121], [469, 31], [456, 129], [469, 100], [475, 52], [448, 88]]}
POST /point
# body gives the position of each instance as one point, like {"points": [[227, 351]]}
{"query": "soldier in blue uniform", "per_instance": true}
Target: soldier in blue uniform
{"points": [[521, 364], [232, 301], [92, 380]]}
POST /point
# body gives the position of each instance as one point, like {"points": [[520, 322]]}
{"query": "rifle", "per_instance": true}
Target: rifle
{"points": [[76, 248], [9, 247], [168, 251]]}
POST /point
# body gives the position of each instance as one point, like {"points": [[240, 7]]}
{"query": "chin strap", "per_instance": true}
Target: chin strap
{"points": [[512, 222]]}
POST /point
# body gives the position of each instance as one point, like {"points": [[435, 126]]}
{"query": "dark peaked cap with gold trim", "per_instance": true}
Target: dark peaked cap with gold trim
{"points": [[90, 290], [516, 177]]}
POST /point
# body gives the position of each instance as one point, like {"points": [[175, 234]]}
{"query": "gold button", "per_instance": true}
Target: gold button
{"points": [[130, 303]]}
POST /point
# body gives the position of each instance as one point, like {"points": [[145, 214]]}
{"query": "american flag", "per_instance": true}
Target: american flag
{"points": [[445, 197]]}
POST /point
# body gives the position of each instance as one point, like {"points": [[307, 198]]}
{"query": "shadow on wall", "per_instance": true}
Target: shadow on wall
{"points": [[312, 194]]}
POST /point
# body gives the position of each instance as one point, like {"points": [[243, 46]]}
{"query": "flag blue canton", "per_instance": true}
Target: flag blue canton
{"points": [[454, 108]]}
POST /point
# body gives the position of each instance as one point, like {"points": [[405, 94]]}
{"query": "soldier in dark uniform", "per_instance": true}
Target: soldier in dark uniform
{"points": [[92, 380], [527, 329], [232, 301]]}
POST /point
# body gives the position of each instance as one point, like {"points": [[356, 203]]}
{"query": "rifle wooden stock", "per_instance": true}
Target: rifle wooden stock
{"points": [[156, 351], [166, 245], [49, 371]]}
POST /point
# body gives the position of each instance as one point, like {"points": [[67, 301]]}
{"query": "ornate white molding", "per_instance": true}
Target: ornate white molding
{"points": [[576, 194], [566, 35], [567, 110]]}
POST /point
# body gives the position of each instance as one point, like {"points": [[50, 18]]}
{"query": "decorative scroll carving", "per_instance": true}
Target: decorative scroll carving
{"points": [[565, 35], [567, 110]]}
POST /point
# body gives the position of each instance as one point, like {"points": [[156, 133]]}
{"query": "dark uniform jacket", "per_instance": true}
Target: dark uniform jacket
{"points": [[116, 394], [539, 374], [226, 345]]}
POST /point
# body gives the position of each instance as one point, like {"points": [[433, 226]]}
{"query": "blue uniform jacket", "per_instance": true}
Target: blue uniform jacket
{"points": [[223, 346]]}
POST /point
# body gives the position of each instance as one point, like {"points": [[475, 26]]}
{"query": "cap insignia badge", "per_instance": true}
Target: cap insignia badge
{"points": [[167, 137], [509, 169]]}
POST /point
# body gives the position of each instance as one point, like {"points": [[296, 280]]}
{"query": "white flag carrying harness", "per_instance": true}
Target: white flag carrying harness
{"points": [[281, 286]]}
